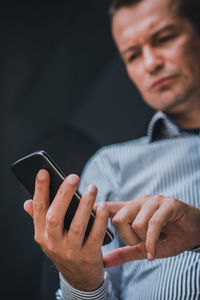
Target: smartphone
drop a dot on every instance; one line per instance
(26, 169)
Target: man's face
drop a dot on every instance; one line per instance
(161, 53)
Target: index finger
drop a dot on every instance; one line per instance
(113, 207)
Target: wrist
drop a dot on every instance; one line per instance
(83, 282)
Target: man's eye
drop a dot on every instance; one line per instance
(166, 38)
(132, 57)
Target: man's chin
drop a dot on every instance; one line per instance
(167, 103)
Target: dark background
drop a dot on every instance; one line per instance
(65, 90)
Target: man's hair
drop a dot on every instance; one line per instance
(189, 9)
(117, 4)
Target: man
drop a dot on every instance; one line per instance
(141, 181)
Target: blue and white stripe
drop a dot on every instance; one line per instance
(165, 162)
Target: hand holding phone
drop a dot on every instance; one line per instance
(26, 170)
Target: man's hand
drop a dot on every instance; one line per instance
(153, 227)
(79, 261)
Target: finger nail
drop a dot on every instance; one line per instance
(91, 188)
(72, 179)
(149, 256)
(41, 175)
(101, 205)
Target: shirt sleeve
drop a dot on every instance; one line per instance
(68, 292)
(104, 174)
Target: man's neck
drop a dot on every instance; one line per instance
(187, 120)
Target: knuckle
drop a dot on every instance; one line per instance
(70, 255)
(154, 221)
(143, 197)
(118, 221)
(52, 220)
(39, 207)
(62, 190)
(39, 187)
(137, 225)
(172, 201)
(88, 260)
(87, 199)
(76, 229)
(103, 213)
(158, 198)
(85, 261)
(96, 237)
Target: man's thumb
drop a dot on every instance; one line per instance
(125, 254)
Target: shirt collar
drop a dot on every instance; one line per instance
(162, 127)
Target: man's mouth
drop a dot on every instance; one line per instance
(164, 81)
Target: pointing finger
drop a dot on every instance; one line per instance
(113, 207)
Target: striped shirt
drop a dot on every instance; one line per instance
(166, 162)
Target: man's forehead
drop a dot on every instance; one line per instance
(143, 18)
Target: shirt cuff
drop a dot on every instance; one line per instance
(71, 293)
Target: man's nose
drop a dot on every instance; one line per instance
(153, 60)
